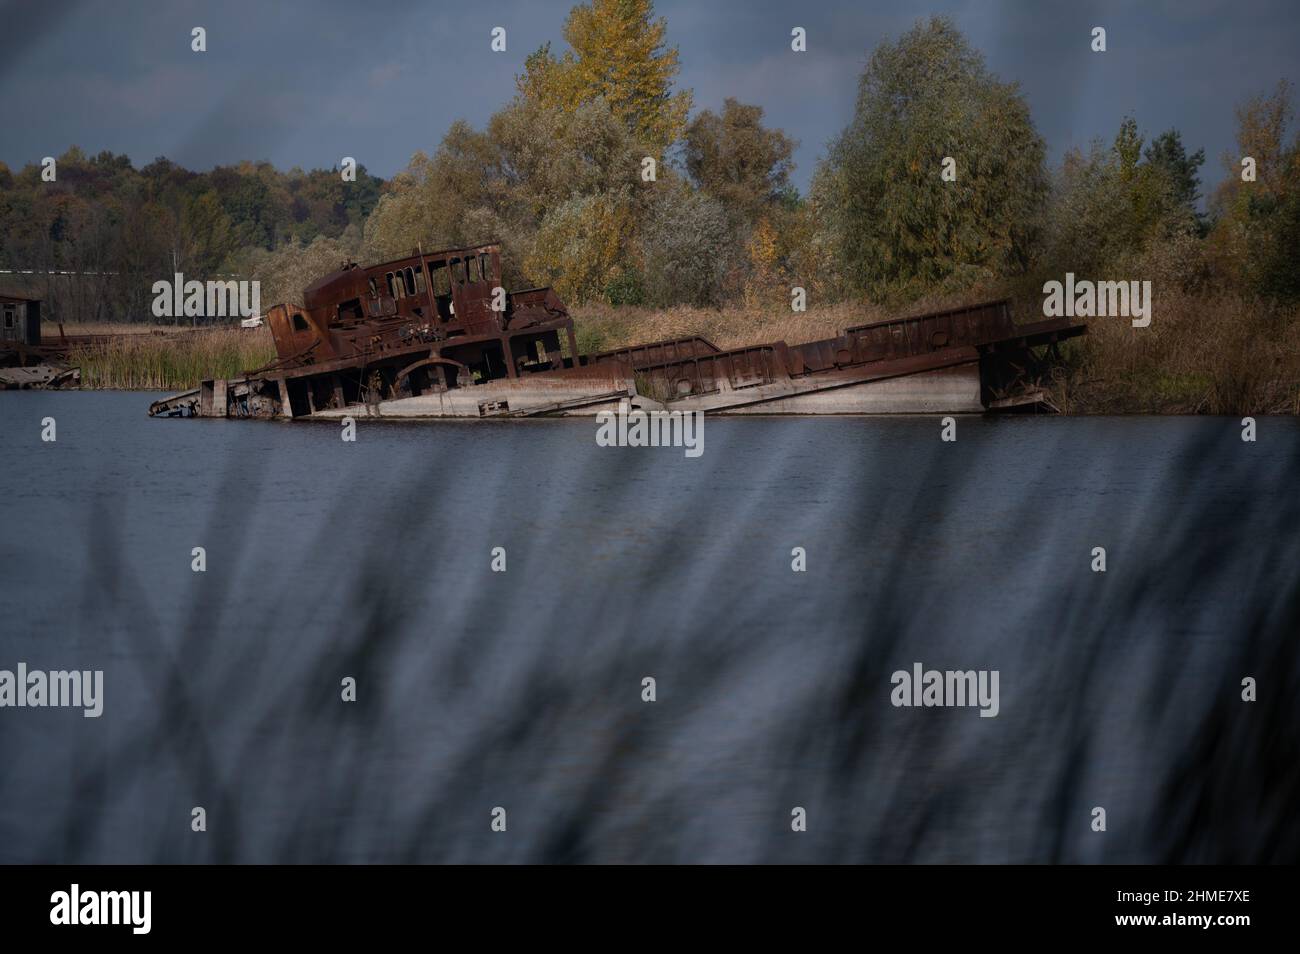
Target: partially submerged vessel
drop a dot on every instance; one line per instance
(436, 335)
(26, 359)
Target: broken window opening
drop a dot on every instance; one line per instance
(441, 279)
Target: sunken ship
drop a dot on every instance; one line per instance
(436, 335)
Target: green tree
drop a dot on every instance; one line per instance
(1111, 209)
(205, 235)
(895, 225)
(1167, 154)
(688, 247)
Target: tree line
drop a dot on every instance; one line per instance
(939, 184)
(119, 229)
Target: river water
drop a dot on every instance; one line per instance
(523, 690)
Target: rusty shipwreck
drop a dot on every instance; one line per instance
(436, 335)
(27, 359)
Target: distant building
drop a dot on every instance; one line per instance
(20, 320)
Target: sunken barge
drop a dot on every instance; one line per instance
(436, 335)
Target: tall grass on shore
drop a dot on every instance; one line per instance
(601, 328)
(1202, 354)
(171, 362)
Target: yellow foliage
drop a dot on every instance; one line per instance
(763, 252)
(617, 53)
(582, 245)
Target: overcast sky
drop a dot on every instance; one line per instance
(305, 83)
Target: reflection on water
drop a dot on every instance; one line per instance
(523, 689)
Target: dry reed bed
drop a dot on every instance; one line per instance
(1202, 354)
(169, 362)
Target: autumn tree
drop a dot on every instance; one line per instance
(582, 245)
(738, 160)
(450, 198)
(506, 182)
(1257, 231)
(617, 53)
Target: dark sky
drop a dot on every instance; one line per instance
(306, 83)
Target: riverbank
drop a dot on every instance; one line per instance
(1202, 354)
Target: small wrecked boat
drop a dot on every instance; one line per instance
(26, 359)
(435, 335)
